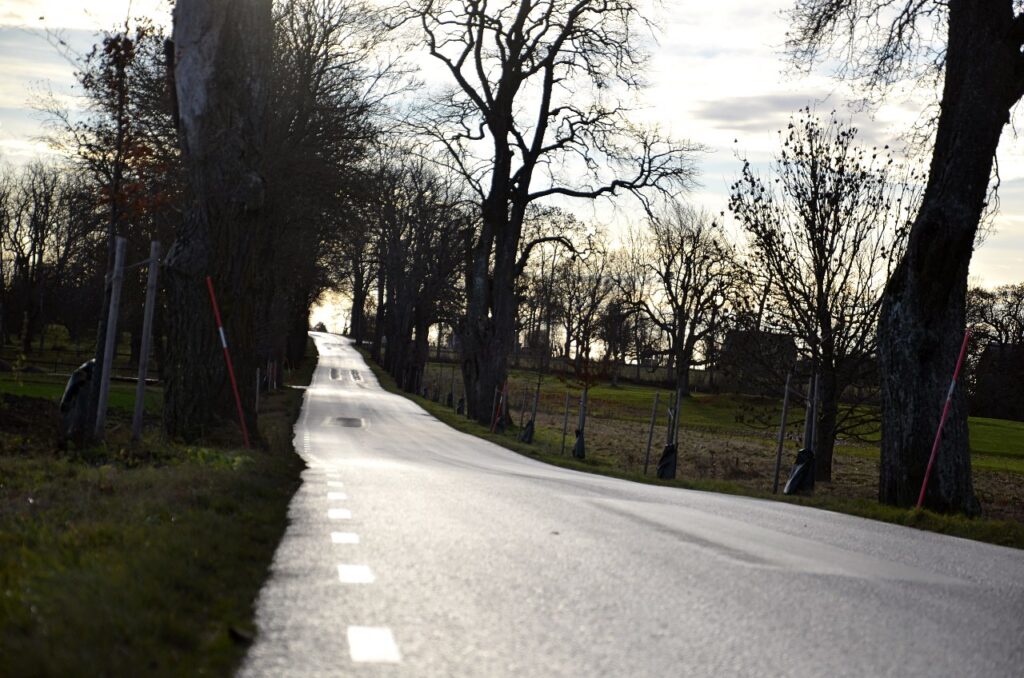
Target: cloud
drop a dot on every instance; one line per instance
(753, 113)
(75, 14)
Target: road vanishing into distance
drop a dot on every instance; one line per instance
(415, 550)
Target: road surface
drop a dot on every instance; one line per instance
(415, 550)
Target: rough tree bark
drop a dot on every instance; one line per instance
(923, 313)
(222, 59)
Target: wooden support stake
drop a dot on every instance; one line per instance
(782, 435)
(650, 433)
(110, 346)
(565, 422)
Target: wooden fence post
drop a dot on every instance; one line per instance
(650, 433)
(110, 346)
(782, 435)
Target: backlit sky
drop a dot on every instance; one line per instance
(717, 78)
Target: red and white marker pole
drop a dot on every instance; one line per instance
(227, 359)
(942, 421)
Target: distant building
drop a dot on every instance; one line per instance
(1000, 376)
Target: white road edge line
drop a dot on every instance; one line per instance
(339, 514)
(355, 574)
(344, 538)
(372, 645)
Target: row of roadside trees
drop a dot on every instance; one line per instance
(538, 108)
(260, 143)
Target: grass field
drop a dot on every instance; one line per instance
(50, 387)
(728, 443)
(122, 560)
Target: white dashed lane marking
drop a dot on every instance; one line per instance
(339, 514)
(372, 645)
(344, 538)
(335, 483)
(336, 496)
(355, 574)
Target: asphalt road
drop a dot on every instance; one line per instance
(415, 550)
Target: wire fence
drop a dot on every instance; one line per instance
(617, 428)
(64, 362)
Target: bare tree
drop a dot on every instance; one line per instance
(583, 284)
(998, 315)
(536, 110)
(632, 274)
(550, 237)
(923, 311)
(826, 230)
(692, 274)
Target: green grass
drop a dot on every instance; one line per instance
(137, 561)
(997, 437)
(716, 415)
(51, 387)
(996, 445)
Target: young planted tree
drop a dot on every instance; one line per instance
(537, 109)
(125, 145)
(826, 230)
(973, 48)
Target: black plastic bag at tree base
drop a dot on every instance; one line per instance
(579, 448)
(527, 435)
(668, 462)
(801, 477)
(461, 409)
(450, 400)
(74, 404)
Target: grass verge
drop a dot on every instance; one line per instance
(547, 449)
(144, 561)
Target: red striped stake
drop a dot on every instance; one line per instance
(942, 421)
(499, 407)
(227, 359)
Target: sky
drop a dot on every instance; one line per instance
(718, 77)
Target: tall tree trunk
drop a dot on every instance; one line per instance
(923, 312)
(683, 359)
(421, 350)
(222, 52)
(378, 332)
(489, 328)
(359, 294)
(298, 332)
